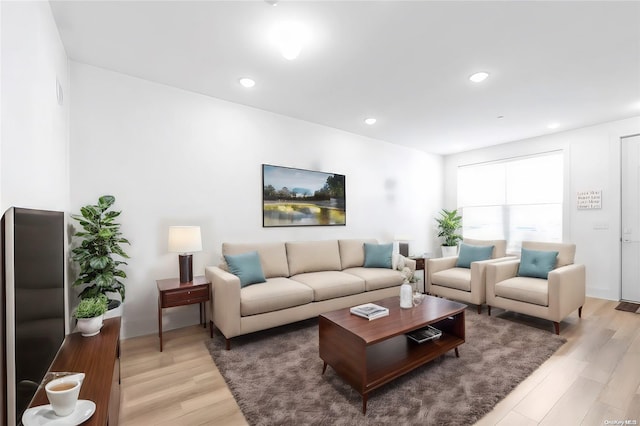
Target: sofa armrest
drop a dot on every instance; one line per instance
(441, 263)
(409, 263)
(437, 265)
(225, 300)
(479, 267)
(479, 274)
(499, 271)
(567, 288)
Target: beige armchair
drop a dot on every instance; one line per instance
(445, 279)
(552, 299)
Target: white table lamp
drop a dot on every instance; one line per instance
(185, 240)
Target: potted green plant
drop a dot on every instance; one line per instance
(99, 252)
(89, 314)
(449, 223)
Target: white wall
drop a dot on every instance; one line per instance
(172, 157)
(592, 162)
(34, 136)
(34, 151)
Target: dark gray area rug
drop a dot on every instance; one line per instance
(276, 377)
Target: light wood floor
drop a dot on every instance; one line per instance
(593, 378)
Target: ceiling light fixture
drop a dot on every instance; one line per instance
(247, 82)
(553, 126)
(479, 76)
(370, 121)
(271, 2)
(290, 37)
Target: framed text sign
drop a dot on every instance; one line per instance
(589, 200)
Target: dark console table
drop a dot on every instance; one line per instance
(98, 357)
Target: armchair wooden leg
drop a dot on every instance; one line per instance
(489, 310)
(211, 329)
(557, 326)
(228, 341)
(479, 309)
(580, 312)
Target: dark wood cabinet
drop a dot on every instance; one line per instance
(98, 357)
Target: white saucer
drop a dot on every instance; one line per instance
(44, 415)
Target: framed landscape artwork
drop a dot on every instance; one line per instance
(297, 197)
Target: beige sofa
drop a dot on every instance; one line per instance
(303, 280)
(444, 279)
(552, 299)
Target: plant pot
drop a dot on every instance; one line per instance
(448, 251)
(89, 326)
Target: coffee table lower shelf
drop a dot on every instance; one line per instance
(368, 366)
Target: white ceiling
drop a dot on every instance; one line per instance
(406, 63)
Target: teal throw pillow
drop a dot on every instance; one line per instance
(378, 255)
(247, 267)
(537, 263)
(469, 253)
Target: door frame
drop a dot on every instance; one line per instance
(620, 230)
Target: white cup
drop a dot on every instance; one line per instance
(63, 395)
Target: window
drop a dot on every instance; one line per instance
(516, 199)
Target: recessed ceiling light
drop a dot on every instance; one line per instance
(370, 121)
(290, 38)
(479, 76)
(247, 82)
(271, 2)
(553, 125)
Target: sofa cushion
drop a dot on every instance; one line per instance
(524, 289)
(378, 255)
(377, 278)
(273, 256)
(330, 284)
(313, 256)
(458, 278)
(246, 266)
(352, 252)
(470, 253)
(537, 263)
(499, 246)
(566, 251)
(273, 295)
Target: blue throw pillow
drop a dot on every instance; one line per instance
(537, 263)
(247, 267)
(378, 255)
(469, 253)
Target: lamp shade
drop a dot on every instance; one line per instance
(185, 239)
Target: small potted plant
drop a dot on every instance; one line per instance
(449, 223)
(89, 314)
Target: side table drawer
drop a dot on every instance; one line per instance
(185, 296)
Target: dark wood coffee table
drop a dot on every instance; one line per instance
(368, 354)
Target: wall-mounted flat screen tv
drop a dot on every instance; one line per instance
(298, 197)
(32, 311)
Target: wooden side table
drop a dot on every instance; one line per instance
(173, 293)
(421, 265)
